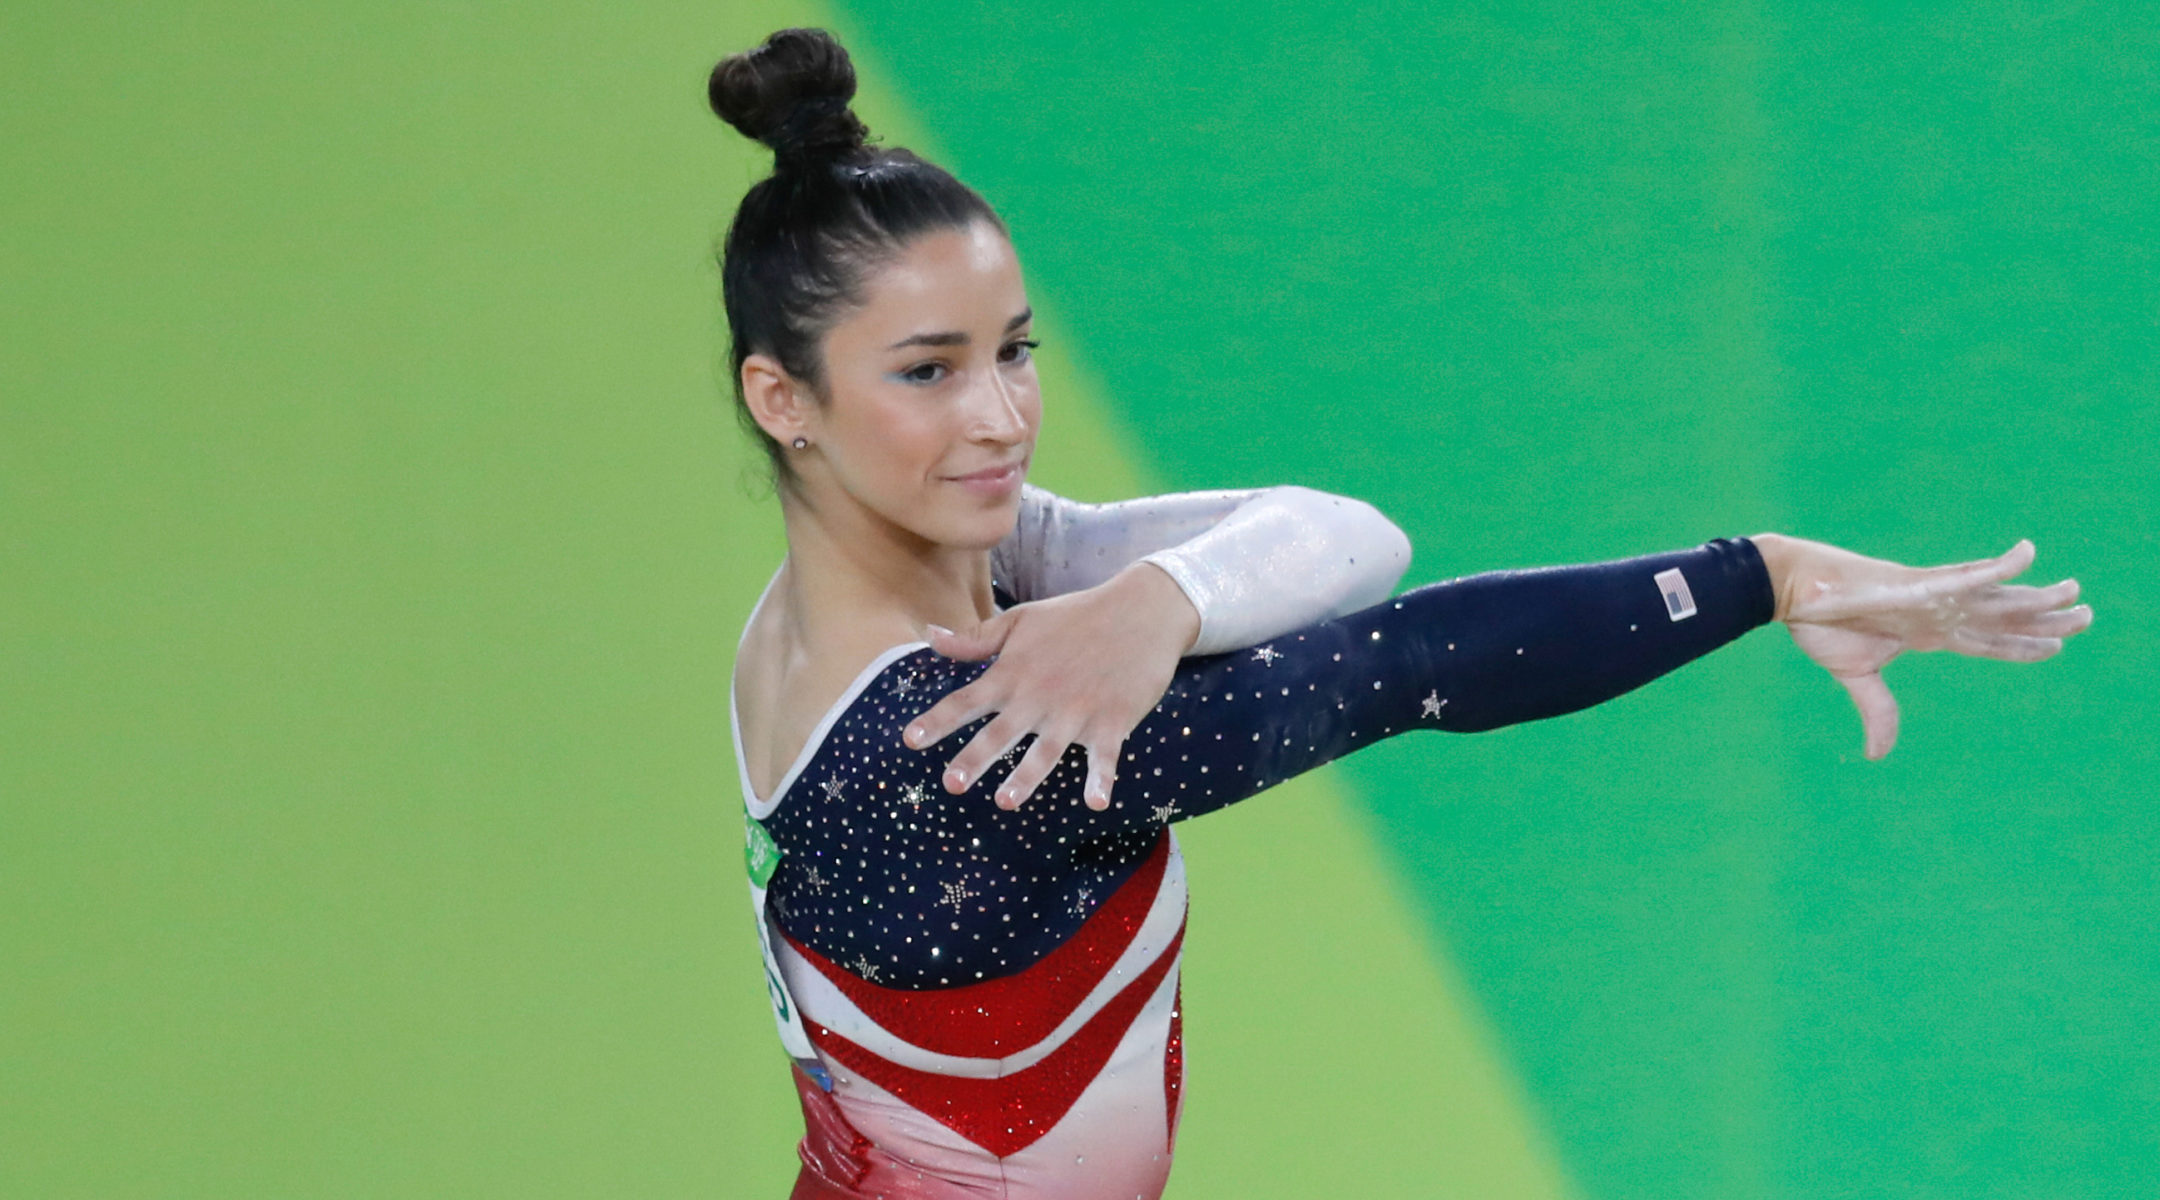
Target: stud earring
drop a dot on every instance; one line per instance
(802, 443)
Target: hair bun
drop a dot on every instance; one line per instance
(791, 93)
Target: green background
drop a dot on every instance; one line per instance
(374, 538)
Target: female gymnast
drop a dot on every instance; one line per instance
(980, 993)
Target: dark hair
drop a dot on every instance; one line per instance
(834, 207)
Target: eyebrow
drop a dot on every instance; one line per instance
(956, 338)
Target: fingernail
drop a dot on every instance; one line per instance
(957, 778)
(913, 736)
(941, 629)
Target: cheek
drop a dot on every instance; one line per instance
(897, 440)
(1029, 402)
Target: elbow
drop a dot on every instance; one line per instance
(1376, 550)
(1393, 549)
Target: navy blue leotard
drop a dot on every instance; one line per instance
(911, 887)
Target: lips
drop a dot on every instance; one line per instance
(993, 480)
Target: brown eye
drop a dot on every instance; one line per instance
(1023, 346)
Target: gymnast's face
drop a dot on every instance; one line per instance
(931, 401)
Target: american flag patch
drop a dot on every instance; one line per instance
(1679, 602)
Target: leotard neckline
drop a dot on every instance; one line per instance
(762, 809)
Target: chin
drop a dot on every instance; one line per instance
(981, 528)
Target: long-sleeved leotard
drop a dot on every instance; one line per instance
(1255, 562)
(990, 991)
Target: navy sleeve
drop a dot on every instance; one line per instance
(1469, 654)
(882, 865)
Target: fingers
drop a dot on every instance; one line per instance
(2014, 598)
(2010, 647)
(1878, 711)
(2060, 624)
(2009, 564)
(989, 744)
(1038, 762)
(961, 706)
(967, 705)
(984, 640)
(1102, 773)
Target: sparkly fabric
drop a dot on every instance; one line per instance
(1173, 1075)
(1002, 1016)
(1007, 1113)
(833, 1153)
(908, 886)
(1094, 1094)
(1229, 551)
(1009, 981)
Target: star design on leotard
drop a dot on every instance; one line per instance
(903, 685)
(913, 795)
(1266, 654)
(1163, 812)
(1082, 902)
(956, 894)
(815, 882)
(1431, 705)
(863, 967)
(834, 787)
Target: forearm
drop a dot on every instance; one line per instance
(1287, 558)
(1252, 564)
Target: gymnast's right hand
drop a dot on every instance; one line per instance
(1079, 669)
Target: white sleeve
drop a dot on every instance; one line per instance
(1256, 563)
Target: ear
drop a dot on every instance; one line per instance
(778, 402)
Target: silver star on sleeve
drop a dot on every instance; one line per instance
(956, 894)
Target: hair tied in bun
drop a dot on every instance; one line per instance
(835, 208)
(816, 127)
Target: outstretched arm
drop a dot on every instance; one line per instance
(1469, 654)
(1506, 647)
(1114, 594)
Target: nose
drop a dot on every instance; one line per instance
(996, 415)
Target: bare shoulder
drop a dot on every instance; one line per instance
(786, 684)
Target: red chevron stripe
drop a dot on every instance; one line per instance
(1173, 1068)
(1007, 1114)
(998, 1017)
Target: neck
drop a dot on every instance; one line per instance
(851, 572)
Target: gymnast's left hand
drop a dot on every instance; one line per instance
(1853, 614)
(1079, 669)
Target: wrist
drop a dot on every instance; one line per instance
(1150, 594)
(1779, 553)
